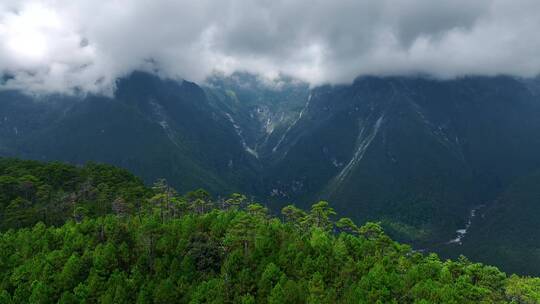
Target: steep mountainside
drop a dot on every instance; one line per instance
(413, 152)
(155, 128)
(262, 112)
(507, 233)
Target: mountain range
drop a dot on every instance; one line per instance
(416, 153)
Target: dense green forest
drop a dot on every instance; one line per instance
(96, 234)
(32, 192)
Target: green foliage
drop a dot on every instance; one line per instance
(320, 215)
(235, 254)
(347, 225)
(294, 215)
(523, 290)
(235, 201)
(31, 192)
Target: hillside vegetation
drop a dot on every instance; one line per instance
(126, 243)
(32, 191)
(415, 153)
(506, 231)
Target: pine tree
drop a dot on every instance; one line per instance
(345, 224)
(235, 201)
(320, 214)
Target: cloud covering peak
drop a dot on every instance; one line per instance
(62, 45)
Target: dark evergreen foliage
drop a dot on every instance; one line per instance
(51, 193)
(155, 246)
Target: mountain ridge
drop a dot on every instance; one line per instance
(413, 152)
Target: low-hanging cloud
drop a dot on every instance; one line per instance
(65, 45)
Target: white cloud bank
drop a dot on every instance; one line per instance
(60, 45)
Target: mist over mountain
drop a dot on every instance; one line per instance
(66, 46)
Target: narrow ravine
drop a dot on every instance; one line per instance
(460, 233)
(238, 131)
(276, 147)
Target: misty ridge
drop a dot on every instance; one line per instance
(62, 46)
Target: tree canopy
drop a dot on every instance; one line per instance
(152, 245)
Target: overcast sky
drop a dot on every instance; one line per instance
(57, 45)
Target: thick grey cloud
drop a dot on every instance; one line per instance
(60, 45)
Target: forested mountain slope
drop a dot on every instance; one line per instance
(413, 152)
(153, 127)
(507, 231)
(51, 193)
(156, 246)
